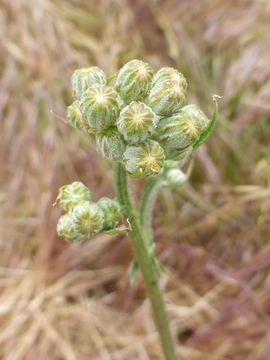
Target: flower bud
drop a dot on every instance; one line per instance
(72, 194)
(166, 97)
(74, 115)
(83, 78)
(111, 211)
(88, 218)
(144, 159)
(100, 105)
(67, 229)
(174, 177)
(169, 74)
(136, 122)
(110, 144)
(197, 113)
(134, 80)
(177, 134)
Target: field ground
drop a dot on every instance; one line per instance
(74, 302)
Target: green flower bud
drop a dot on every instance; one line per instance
(83, 78)
(100, 105)
(110, 144)
(136, 122)
(72, 194)
(174, 177)
(134, 80)
(177, 134)
(111, 211)
(144, 159)
(67, 229)
(88, 218)
(169, 74)
(74, 115)
(196, 112)
(166, 97)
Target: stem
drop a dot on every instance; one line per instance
(144, 260)
(148, 201)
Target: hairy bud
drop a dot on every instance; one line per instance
(144, 159)
(136, 122)
(134, 80)
(83, 78)
(72, 194)
(67, 229)
(178, 133)
(88, 218)
(169, 74)
(100, 105)
(111, 211)
(196, 112)
(74, 115)
(166, 97)
(110, 144)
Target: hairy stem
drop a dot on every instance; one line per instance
(144, 260)
(148, 201)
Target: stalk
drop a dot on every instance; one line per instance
(144, 260)
(150, 194)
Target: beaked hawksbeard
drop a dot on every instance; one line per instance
(140, 121)
(142, 125)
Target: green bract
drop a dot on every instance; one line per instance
(144, 159)
(111, 211)
(88, 218)
(110, 144)
(100, 104)
(67, 228)
(134, 80)
(83, 78)
(137, 121)
(72, 194)
(178, 133)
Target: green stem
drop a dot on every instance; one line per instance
(144, 260)
(148, 201)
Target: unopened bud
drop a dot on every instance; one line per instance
(177, 134)
(166, 97)
(110, 144)
(83, 78)
(137, 121)
(144, 159)
(72, 194)
(88, 218)
(100, 105)
(134, 81)
(67, 229)
(111, 211)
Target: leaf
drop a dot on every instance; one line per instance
(134, 270)
(117, 231)
(160, 267)
(205, 135)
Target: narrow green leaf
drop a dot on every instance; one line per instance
(205, 135)
(117, 231)
(134, 270)
(159, 266)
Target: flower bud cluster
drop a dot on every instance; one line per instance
(141, 120)
(83, 217)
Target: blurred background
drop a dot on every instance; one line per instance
(74, 302)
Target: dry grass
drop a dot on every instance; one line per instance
(61, 301)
